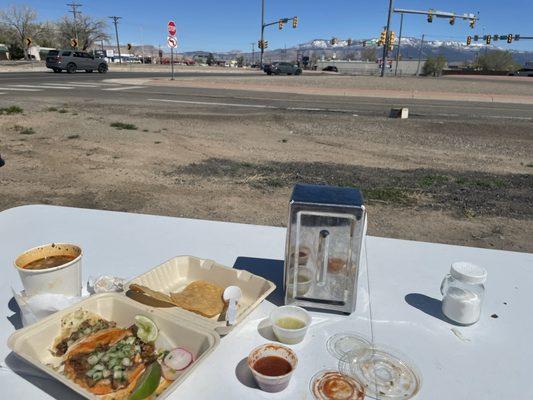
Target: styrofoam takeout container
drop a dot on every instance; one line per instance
(64, 279)
(34, 342)
(175, 274)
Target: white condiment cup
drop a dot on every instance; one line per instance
(64, 279)
(272, 383)
(290, 336)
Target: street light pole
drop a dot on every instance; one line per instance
(420, 55)
(387, 40)
(262, 30)
(253, 52)
(115, 21)
(399, 45)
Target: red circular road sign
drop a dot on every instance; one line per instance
(171, 28)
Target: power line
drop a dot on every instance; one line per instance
(115, 21)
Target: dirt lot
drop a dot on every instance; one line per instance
(470, 185)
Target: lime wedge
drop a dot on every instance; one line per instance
(146, 329)
(147, 383)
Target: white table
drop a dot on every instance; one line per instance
(492, 360)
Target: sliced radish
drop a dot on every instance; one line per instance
(168, 373)
(178, 359)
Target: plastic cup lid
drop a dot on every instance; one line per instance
(342, 343)
(384, 375)
(332, 385)
(468, 273)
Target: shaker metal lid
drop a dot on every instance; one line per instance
(324, 194)
(468, 273)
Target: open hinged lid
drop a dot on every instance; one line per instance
(34, 343)
(174, 275)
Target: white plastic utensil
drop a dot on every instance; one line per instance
(232, 295)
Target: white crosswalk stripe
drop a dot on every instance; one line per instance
(43, 86)
(93, 83)
(72, 85)
(20, 89)
(116, 89)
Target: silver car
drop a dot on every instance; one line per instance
(72, 61)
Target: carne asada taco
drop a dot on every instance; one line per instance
(76, 326)
(108, 363)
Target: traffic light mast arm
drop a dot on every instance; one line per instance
(438, 14)
(284, 20)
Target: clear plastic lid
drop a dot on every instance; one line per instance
(385, 374)
(341, 344)
(332, 385)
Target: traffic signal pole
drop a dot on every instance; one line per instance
(387, 41)
(399, 46)
(262, 31)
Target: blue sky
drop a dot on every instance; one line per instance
(220, 25)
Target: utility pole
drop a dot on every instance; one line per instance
(75, 13)
(115, 21)
(399, 45)
(420, 55)
(253, 52)
(262, 31)
(387, 40)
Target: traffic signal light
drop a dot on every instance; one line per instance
(349, 42)
(468, 40)
(488, 38)
(382, 38)
(392, 38)
(265, 44)
(516, 38)
(280, 24)
(476, 38)
(295, 22)
(129, 46)
(430, 16)
(364, 43)
(472, 23)
(495, 37)
(334, 41)
(509, 38)
(452, 20)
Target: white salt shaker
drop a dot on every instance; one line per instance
(463, 292)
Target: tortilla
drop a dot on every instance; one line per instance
(200, 297)
(150, 293)
(106, 337)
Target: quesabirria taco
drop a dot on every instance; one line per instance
(77, 326)
(108, 363)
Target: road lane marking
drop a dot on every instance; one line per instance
(42, 87)
(510, 117)
(70, 85)
(205, 103)
(116, 89)
(20, 89)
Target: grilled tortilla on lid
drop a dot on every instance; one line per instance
(109, 362)
(76, 326)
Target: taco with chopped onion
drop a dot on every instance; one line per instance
(77, 326)
(108, 363)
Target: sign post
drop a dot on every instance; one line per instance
(172, 43)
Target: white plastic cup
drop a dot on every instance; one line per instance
(290, 336)
(64, 279)
(272, 383)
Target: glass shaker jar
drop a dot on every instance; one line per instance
(463, 292)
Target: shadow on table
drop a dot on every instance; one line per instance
(244, 375)
(40, 379)
(428, 305)
(16, 318)
(268, 269)
(265, 329)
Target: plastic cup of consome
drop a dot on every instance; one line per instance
(285, 313)
(63, 279)
(269, 382)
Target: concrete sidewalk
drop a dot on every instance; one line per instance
(331, 91)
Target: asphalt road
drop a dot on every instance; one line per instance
(82, 86)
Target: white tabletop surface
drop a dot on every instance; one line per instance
(489, 360)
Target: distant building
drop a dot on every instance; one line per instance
(405, 67)
(4, 52)
(39, 53)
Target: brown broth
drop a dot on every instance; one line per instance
(272, 366)
(49, 262)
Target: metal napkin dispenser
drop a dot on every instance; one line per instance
(325, 236)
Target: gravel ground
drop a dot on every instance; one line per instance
(468, 183)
